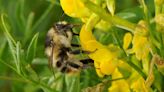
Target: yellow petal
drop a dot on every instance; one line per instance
(139, 85)
(68, 7)
(102, 54)
(108, 67)
(127, 40)
(98, 71)
(92, 45)
(118, 85)
(85, 36)
(140, 46)
(74, 8)
(113, 88)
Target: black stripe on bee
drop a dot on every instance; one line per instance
(58, 64)
(64, 69)
(73, 65)
(63, 53)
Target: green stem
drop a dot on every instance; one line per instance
(92, 22)
(136, 68)
(42, 85)
(8, 65)
(124, 57)
(121, 23)
(152, 34)
(13, 79)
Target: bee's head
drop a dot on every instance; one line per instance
(63, 26)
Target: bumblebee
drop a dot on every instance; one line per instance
(58, 49)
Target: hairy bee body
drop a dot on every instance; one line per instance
(58, 47)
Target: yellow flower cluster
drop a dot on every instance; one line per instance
(134, 83)
(106, 58)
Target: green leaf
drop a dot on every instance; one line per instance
(72, 83)
(18, 55)
(28, 27)
(6, 28)
(13, 52)
(44, 15)
(2, 47)
(158, 82)
(31, 51)
(111, 6)
(14, 47)
(31, 73)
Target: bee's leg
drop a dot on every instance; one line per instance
(75, 45)
(86, 61)
(75, 34)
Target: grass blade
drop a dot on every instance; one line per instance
(31, 51)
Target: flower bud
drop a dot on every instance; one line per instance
(141, 28)
(159, 19)
(127, 40)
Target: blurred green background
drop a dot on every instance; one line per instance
(28, 22)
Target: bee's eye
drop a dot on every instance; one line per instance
(59, 26)
(62, 27)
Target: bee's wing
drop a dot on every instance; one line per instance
(50, 61)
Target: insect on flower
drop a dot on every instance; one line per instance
(58, 49)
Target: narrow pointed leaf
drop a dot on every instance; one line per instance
(31, 51)
(111, 6)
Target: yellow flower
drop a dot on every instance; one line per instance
(140, 47)
(105, 59)
(137, 83)
(105, 67)
(159, 19)
(118, 85)
(74, 8)
(140, 43)
(134, 82)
